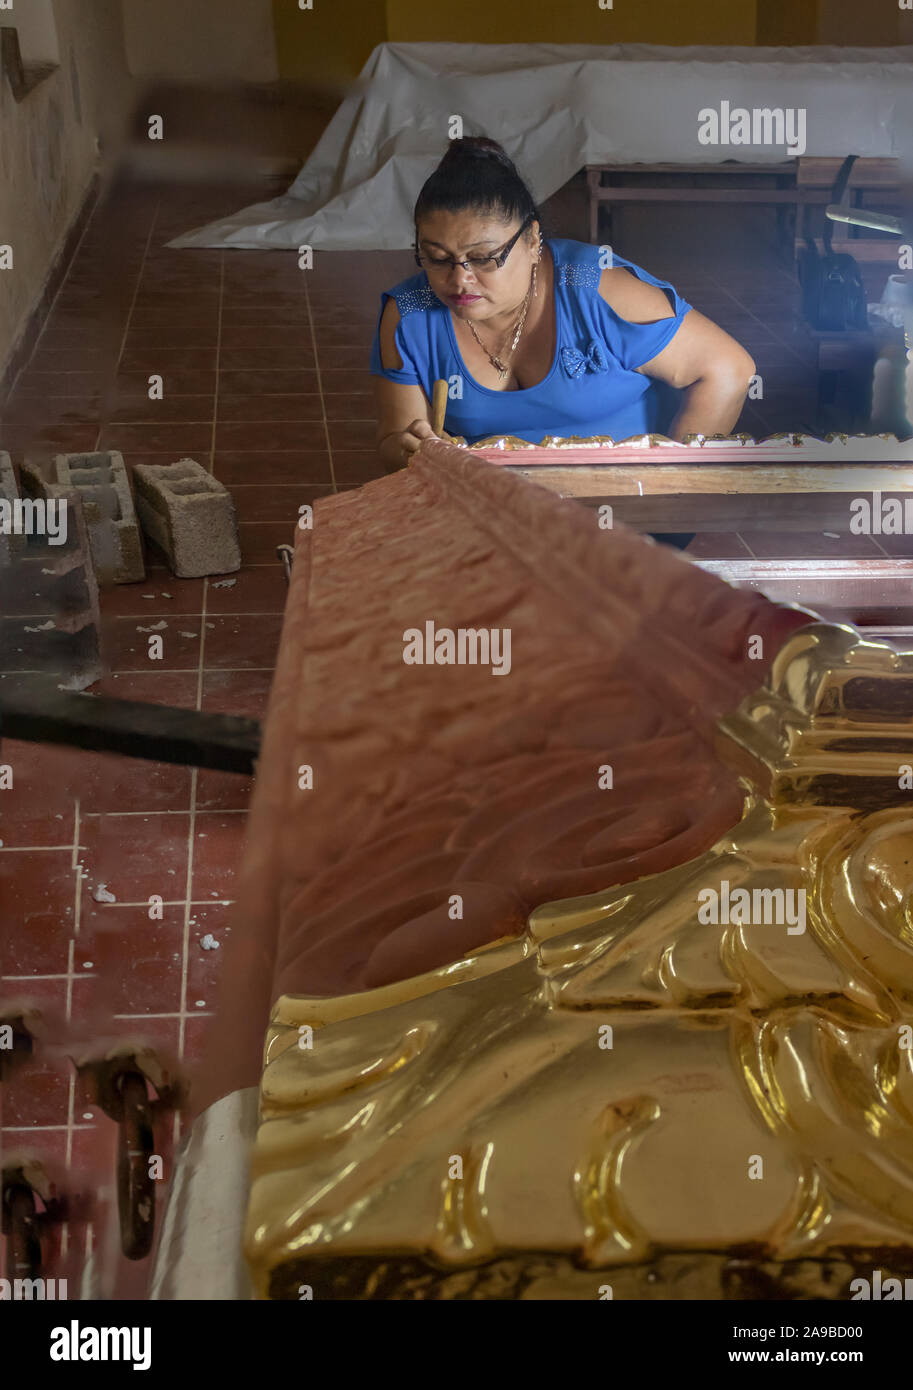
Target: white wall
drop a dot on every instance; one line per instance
(201, 40)
(48, 150)
(36, 26)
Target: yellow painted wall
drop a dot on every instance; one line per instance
(848, 21)
(329, 44)
(573, 21)
(787, 22)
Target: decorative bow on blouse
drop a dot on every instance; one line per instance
(576, 362)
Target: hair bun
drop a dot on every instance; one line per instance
(476, 174)
(477, 147)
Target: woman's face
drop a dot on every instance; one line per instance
(476, 294)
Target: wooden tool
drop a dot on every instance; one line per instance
(439, 408)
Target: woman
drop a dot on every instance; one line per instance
(534, 336)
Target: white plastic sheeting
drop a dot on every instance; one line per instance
(556, 108)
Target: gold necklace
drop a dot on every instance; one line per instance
(502, 368)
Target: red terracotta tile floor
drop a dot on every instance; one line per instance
(114, 872)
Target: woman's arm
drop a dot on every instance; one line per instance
(702, 360)
(403, 410)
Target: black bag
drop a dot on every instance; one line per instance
(833, 295)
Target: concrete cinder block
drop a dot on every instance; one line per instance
(12, 542)
(189, 515)
(104, 487)
(62, 577)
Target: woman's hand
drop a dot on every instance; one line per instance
(411, 438)
(396, 449)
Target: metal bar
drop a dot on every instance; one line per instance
(286, 554)
(22, 1230)
(161, 733)
(859, 217)
(135, 1187)
(852, 588)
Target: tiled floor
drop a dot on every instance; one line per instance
(265, 383)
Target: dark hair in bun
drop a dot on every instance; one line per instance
(477, 173)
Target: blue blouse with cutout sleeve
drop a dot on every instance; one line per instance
(592, 387)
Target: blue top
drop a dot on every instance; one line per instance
(592, 387)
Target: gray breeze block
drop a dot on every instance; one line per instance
(68, 642)
(12, 543)
(102, 483)
(73, 559)
(189, 515)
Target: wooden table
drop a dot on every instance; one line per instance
(725, 182)
(792, 186)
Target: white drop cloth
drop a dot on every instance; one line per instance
(556, 108)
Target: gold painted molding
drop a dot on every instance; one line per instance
(749, 1127)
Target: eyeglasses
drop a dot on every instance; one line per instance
(479, 265)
